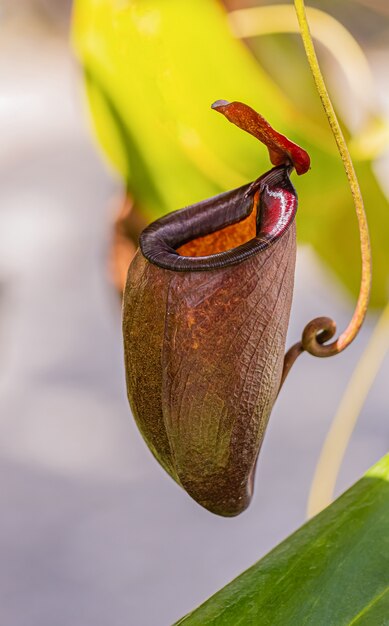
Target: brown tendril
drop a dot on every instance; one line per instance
(315, 334)
(322, 329)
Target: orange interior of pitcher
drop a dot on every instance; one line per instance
(224, 239)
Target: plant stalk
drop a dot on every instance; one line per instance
(321, 329)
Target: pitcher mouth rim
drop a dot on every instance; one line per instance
(160, 240)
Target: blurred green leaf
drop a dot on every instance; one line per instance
(334, 571)
(152, 70)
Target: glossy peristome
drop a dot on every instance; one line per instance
(206, 310)
(271, 200)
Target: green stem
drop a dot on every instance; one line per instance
(319, 330)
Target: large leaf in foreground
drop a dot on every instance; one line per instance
(334, 571)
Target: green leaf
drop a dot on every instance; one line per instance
(152, 71)
(334, 571)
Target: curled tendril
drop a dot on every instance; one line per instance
(316, 333)
(319, 331)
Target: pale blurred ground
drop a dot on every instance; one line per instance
(92, 532)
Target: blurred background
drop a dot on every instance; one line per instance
(99, 136)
